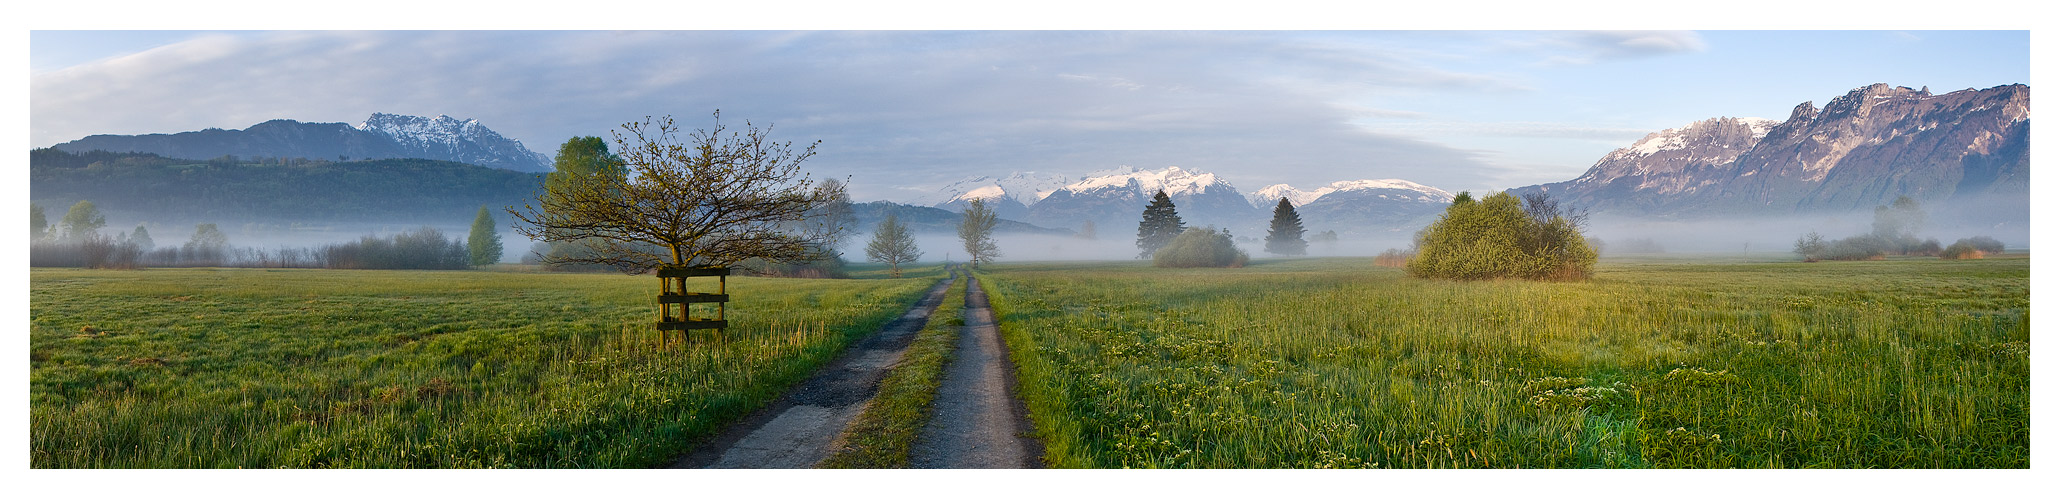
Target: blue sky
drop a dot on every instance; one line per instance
(905, 111)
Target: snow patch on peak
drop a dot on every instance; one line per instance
(1024, 187)
(1174, 180)
(1270, 195)
(982, 192)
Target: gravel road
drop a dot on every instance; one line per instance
(978, 422)
(796, 431)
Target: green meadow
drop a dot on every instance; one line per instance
(1321, 363)
(1306, 363)
(253, 368)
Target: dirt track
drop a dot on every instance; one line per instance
(797, 430)
(978, 422)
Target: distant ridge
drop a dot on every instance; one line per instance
(381, 136)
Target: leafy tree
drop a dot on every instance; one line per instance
(580, 159)
(484, 242)
(1285, 236)
(1898, 220)
(1502, 236)
(141, 238)
(976, 230)
(716, 198)
(1160, 225)
(39, 227)
(82, 222)
(1200, 248)
(208, 245)
(1327, 238)
(892, 245)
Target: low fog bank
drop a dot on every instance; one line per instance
(273, 236)
(1021, 247)
(1770, 235)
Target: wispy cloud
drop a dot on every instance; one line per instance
(1589, 47)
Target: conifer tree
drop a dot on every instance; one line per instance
(1160, 225)
(485, 242)
(892, 245)
(1285, 236)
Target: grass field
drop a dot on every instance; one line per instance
(1318, 363)
(204, 368)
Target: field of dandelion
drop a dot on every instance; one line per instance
(1318, 363)
(207, 368)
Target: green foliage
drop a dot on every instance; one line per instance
(141, 238)
(714, 196)
(976, 232)
(39, 227)
(892, 245)
(208, 244)
(229, 368)
(1284, 235)
(1334, 363)
(1160, 224)
(1500, 237)
(881, 436)
(484, 242)
(82, 222)
(1198, 247)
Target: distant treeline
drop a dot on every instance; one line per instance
(138, 185)
(423, 248)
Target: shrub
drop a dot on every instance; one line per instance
(424, 248)
(1200, 248)
(1502, 236)
(1396, 258)
(1971, 248)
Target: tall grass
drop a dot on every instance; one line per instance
(1340, 363)
(196, 368)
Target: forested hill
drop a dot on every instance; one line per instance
(138, 187)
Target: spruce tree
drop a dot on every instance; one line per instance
(1285, 236)
(892, 245)
(1160, 225)
(485, 242)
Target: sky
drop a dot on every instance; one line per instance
(903, 112)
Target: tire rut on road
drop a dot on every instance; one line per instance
(796, 430)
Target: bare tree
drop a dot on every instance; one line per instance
(715, 197)
(892, 245)
(976, 230)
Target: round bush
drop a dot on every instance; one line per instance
(1200, 248)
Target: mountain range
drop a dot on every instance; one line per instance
(1968, 148)
(381, 136)
(1861, 150)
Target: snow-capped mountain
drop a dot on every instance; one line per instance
(1025, 187)
(1372, 207)
(1010, 196)
(1861, 150)
(464, 141)
(1392, 189)
(1116, 198)
(381, 136)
